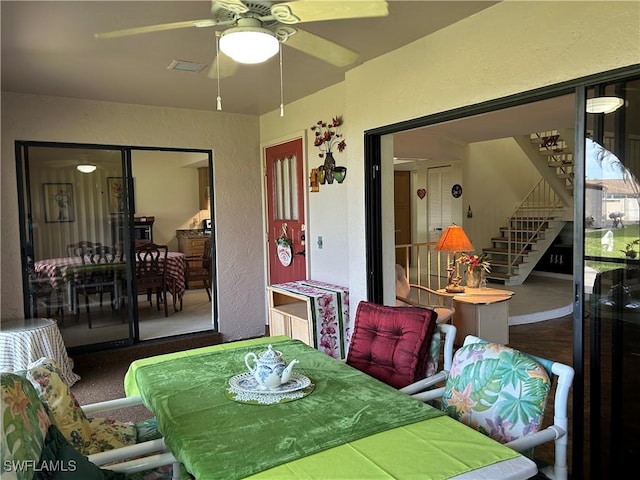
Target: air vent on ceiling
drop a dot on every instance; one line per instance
(186, 66)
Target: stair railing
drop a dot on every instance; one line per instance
(539, 206)
(423, 264)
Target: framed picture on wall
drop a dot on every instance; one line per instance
(117, 198)
(59, 203)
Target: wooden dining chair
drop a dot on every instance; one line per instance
(82, 248)
(100, 273)
(151, 272)
(199, 268)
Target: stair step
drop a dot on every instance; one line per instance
(522, 230)
(546, 138)
(561, 163)
(503, 263)
(566, 175)
(513, 241)
(504, 251)
(554, 151)
(499, 276)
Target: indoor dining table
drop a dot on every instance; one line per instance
(60, 272)
(345, 424)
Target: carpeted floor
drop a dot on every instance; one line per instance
(102, 373)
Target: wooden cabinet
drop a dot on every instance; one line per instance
(289, 315)
(203, 188)
(313, 312)
(192, 246)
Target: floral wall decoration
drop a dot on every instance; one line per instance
(327, 138)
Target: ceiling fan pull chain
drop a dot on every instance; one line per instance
(218, 98)
(281, 86)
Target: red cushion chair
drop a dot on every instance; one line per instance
(391, 343)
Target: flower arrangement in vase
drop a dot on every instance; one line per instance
(327, 136)
(477, 266)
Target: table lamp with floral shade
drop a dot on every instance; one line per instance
(454, 240)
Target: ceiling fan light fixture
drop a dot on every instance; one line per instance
(249, 44)
(604, 104)
(86, 168)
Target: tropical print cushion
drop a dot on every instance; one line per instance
(147, 430)
(25, 423)
(497, 390)
(87, 435)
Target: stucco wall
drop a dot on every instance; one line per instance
(235, 142)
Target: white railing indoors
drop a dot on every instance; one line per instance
(541, 205)
(423, 264)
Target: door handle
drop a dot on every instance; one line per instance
(302, 252)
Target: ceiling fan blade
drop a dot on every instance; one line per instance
(207, 22)
(227, 65)
(319, 10)
(321, 48)
(235, 6)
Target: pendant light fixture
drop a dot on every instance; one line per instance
(86, 168)
(604, 104)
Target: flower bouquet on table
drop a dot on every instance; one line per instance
(475, 262)
(477, 266)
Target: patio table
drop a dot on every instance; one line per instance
(390, 435)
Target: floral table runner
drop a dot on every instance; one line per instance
(330, 310)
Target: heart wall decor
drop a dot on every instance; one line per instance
(421, 193)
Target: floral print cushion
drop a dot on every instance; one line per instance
(25, 423)
(108, 434)
(86, 435)
(497, 390)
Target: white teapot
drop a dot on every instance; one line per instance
(269, 369)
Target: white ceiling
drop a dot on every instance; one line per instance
(48, 48)
(445, 141)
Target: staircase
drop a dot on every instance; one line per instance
(551, 152)
(538, 220)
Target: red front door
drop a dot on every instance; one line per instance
(285, 212)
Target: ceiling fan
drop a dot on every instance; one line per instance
(256, 29)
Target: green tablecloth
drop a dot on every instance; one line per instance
(218, 438)
(232, 444)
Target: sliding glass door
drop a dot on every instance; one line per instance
(74, 206)
(612, 274)
(85, 209)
